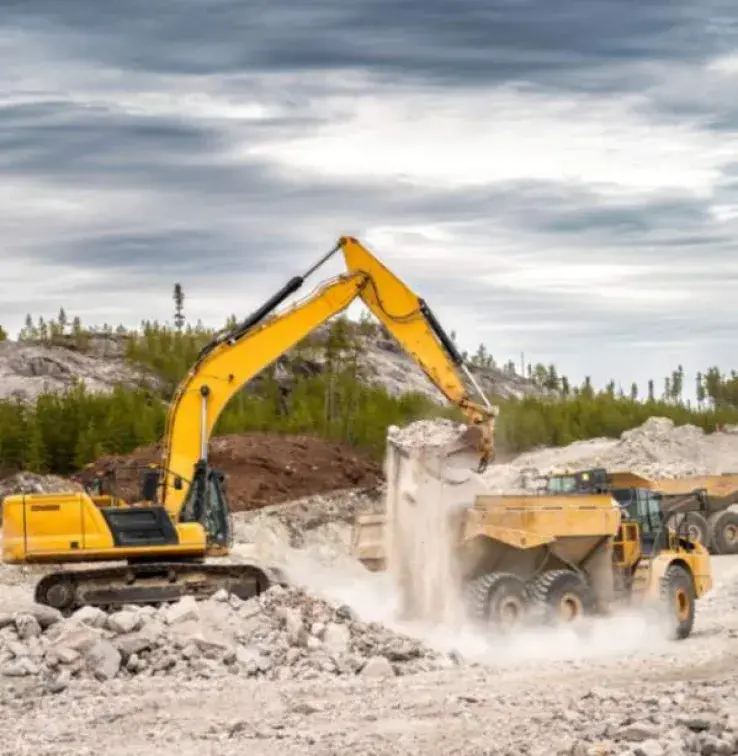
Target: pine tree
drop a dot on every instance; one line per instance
(700, 390)
(35, 457)
(677, 384)
(28, 332)
(3, 334)
(552, 378)
(178, 296)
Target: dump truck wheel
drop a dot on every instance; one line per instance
(498, 599)
(678, 597)
(724, 526)
(693, 526)
(564, 595)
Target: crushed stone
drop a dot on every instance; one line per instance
(282, 634)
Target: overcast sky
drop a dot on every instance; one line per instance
(555, 178)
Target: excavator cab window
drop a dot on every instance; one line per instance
(206, 503)
(217, 520)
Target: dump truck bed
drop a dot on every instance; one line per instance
(575, 523)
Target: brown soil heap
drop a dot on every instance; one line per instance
(260, 468)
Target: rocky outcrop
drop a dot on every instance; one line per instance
(386, 363)
(27, 370)
(383, 362)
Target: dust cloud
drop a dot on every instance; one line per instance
(431, 480)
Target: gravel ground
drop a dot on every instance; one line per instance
(639, 697)
(331, 671)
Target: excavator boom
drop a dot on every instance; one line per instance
(230, 362)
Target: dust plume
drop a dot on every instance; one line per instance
(419, 535)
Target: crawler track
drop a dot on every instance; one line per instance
(151, 583)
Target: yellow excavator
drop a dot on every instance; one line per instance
(183, 516)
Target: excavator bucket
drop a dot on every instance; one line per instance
(476, 441)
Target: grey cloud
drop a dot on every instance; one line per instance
(57, 138)
(242, 226)
(468, 40)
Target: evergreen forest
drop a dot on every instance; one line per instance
(62, 432)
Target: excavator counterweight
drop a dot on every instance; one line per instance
(183, 516)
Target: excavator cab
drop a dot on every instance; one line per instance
(206, 503)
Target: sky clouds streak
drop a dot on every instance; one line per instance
(558, 179)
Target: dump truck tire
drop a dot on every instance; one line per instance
(691, 525)
(497, 599)
(724, 527)
(678, 598)
(564, 596)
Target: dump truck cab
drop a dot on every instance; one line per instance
(701, 506)
(584, 481)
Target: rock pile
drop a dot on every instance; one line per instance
(283, 634)
(657, 449)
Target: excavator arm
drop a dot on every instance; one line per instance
(235, 357)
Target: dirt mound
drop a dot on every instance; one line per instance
(261, 468)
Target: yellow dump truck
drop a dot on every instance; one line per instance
(561, 557)
(699, 506)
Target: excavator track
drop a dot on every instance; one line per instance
(152, 583)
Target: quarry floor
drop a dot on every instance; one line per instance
(514, 706)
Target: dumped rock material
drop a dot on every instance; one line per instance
(283, 634)
(424, 434)
(420, 529)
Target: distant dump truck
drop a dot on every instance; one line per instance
(698, 506)
(560, 556)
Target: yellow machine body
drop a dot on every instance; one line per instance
(40, 527)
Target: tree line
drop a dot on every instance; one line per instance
(61, 433)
